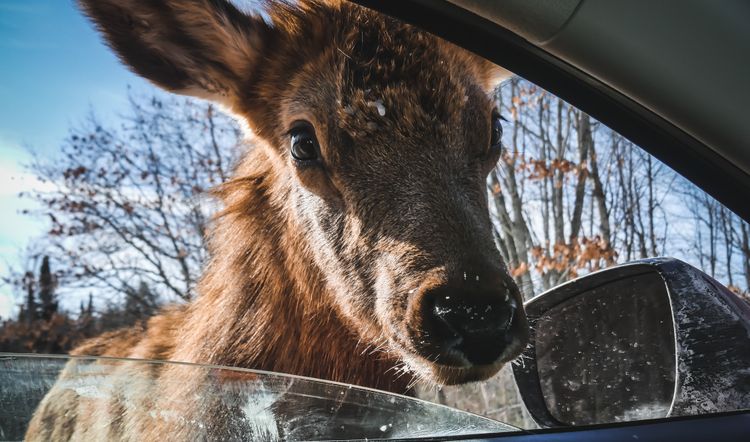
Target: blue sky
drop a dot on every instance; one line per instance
(53, 70)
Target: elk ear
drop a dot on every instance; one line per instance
(203, 48)
(494, 75)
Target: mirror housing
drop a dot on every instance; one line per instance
(697, 361)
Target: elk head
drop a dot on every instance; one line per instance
(384, 136)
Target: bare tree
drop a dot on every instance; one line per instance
(541, 189)
(129, 203)
(744, 246)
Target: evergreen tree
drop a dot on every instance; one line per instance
(29, 283)
(47, 291)
(140, 303)
(90, 307)
(86, 322)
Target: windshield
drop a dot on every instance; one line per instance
(233, 403)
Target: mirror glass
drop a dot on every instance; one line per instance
(608, 354)
(235, 404)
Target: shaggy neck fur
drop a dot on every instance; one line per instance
(262, 300)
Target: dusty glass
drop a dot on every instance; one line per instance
(621, 366)
(237, 403)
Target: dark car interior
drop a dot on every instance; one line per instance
(644, 73)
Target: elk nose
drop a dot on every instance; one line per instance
(474, 324)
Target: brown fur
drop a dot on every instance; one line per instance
(315, 271)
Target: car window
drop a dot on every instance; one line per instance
(570, 196)
(273, 406)
(111, 188)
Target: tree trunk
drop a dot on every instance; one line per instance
(651, 204)
(600, 198)
(585, 142)
(746, 253)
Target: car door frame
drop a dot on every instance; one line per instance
(688, 156)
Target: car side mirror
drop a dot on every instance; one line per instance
(644, 340)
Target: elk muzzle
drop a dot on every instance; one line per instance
(466, 321)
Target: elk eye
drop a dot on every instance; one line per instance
(497, 131)
(304, 145)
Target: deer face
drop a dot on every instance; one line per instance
(384, 137)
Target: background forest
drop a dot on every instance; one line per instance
(128, 206)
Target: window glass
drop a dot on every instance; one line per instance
(571, 196)
(271, 406)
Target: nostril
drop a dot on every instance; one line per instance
(480, 328)
(475, 317)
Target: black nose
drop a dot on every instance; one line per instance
(475, 324)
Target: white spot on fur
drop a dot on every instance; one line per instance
(378, 104)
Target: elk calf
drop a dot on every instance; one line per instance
(359, 221)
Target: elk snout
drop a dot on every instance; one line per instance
(467, 322)
(478, 329)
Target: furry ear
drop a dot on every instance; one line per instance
(494, 75)
(203, 48)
